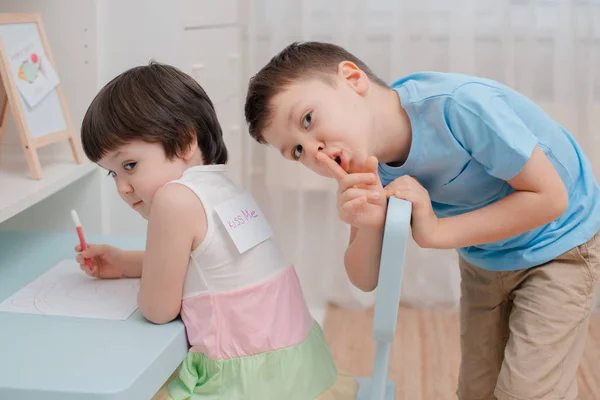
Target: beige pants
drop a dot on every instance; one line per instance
(523, 332)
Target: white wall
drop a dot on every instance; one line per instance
(71, 31)
(132, 33)
(181, 33)
(92, 42)
(95, 40)
(70, 26)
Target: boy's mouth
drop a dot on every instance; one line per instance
(341, 161)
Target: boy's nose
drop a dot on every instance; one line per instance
(314, 149)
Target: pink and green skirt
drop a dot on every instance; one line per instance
(299, 372)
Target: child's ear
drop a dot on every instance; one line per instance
(354, 76)
(191, 149)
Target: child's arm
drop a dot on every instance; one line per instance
(172, 235)
(540, 198)
(361, 203)
(490, 131)
(363, 256)
(109, 262)
(132, 263)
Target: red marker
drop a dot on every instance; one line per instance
(82, 242)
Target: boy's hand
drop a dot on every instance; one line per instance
(107, 261)
(361, 200)
(424, 221)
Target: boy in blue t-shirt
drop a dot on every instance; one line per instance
(487, 172)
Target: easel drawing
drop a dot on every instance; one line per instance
(49, 121)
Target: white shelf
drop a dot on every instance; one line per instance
(18, 191)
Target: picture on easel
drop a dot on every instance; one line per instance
(30, 89)
(33, 73)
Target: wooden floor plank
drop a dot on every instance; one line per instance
(426, 352)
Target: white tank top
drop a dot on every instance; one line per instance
(237, 304)
(216, 265)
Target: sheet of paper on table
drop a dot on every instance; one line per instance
(65, 290)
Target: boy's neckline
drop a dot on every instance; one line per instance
(409, 162)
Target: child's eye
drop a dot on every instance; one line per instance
(129, 166)
(297, 152)
(112, 174)
(307, 120)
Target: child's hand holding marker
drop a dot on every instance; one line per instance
(106, 261)
(100, 261)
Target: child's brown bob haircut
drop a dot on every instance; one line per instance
(154, 103)
(298, 61)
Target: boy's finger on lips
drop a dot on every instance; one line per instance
(337, 171)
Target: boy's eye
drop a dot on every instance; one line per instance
(307, 120)
(129, 166)
(297, 152)
(112, 174)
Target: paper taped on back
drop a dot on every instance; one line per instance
(67, 291)
(246, 224)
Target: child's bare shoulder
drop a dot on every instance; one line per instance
(176, 207)
(177, 196)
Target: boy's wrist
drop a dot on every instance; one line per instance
(374, 228)
(376, 224)
(428, 231)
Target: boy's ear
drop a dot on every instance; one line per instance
(354, 76)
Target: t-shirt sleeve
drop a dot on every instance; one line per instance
(487, 128)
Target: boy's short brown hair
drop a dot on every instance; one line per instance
(154, 103)
(297, 61)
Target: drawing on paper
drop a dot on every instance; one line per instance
(67, 291)
(30, 68)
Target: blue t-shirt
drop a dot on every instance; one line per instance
(471, 135)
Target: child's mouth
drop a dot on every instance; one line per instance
(341, 161)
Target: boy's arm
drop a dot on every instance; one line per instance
(365, 213)
(171, 236)
(362, 257)
(484, 124)
(540, 198)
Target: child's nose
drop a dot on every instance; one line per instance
(314, 149)
(124, 187)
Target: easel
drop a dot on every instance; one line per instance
(3, 111)
(10, 97)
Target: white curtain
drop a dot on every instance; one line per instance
(547, 49)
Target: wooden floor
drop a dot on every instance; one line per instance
(426, 355)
